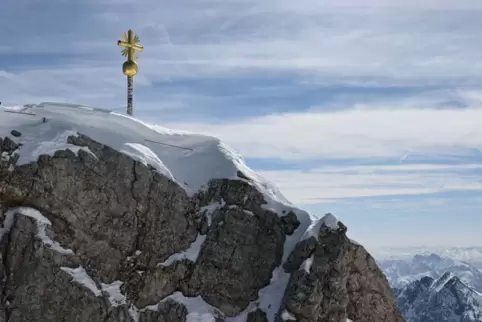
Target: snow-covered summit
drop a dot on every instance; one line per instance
(190, 159)
(113, 240)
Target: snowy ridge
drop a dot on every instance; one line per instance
(191, 160)
(439, 284)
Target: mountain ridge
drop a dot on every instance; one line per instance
(401, 272)
(446, 299)
(124, 229)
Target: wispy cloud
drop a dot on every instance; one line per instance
(353, 133)
(391, 151)
(328, 184)
(383, 41)
(322, 186)
(339, 100)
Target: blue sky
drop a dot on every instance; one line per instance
(371, 110)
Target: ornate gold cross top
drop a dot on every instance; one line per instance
(129, 41)
(129, 68)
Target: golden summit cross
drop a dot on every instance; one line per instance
(129, 42)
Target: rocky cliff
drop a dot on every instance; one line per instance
(445, 299)
(91, 233)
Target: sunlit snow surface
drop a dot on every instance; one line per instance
(189, 159)
(196, 159)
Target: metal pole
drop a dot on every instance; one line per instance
(130, 89)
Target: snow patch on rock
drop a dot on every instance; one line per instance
(210, 209)
(198, 310)
(306, 265)
(287, 316)
(80, 276)
(59, 142)
(112, 290)
(116, 297)
(329, 221)
(191, 253)
(42, 223)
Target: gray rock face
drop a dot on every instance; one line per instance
(302, 251)
(8, 145)
(16, 133)
(445, 299)
(111, 246)
(35, 288)
(168, 311)
(290, 223)
(118, 216)
(257, 316)
(342, 281)
(241, 250)
(105, 206)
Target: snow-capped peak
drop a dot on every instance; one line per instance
(190, 159)
(442, 281)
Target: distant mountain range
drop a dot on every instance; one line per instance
(446, 299)
(432, 288)
(401, 272)
(471, 255)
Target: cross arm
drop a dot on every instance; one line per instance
(129, 45)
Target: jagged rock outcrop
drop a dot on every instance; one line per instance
(445, 299)
(335, 279)
(241, 251)
(103, 237)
